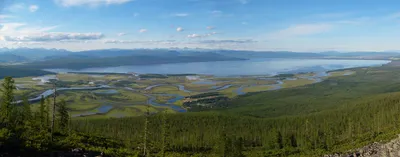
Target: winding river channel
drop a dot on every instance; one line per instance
(318, 77)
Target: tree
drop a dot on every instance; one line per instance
(164, 134)
(42, 113)
(7, 105)
(54, 110)
(145, 140)
(26, 111)
(63, 115)
(279, 140)
(237, 150)
(293, 141)
(47, 112)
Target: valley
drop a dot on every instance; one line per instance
(199, 78)
(271, 97)
(122, 95)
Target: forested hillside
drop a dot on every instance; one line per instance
(20, 72)
(334, 116)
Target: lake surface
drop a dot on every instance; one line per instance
(235, 68)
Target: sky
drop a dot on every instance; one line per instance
(261, 25)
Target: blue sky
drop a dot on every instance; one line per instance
(293, 25)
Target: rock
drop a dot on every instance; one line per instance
(390, 149)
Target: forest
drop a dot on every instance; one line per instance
(352, 111)
(20, 72)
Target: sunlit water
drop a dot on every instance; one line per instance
(247, 67)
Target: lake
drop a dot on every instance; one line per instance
(234, 68)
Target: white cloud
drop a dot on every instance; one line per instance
(238, 41)
(198, 43)
(300, 30)
(180, 14)
(70, 3)
(21, 32)
(118, 41)
(201, 36)
(33, 8)
(179, 29)
(112, 41)
(10, 27)
(142, 30)
(194, 36)
(244, 1)
(210, 27)
(18, 7)
(135, 14)
(244, 23)
(121, 34)
(51, 37)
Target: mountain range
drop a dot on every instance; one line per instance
(59, 58)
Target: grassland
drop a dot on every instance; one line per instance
(179, 103)
(168, 89)
(229, 92)
(74, 77)
(84, 101)
(197, 87)
(295, 83)
(341, 73)
(256, 88)
(163, 99)
(130, 96)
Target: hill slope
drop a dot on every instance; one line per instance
(20, 72)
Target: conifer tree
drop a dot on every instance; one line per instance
(42, 113)
(145, 140)
(279, 140)
(47, 112)
(53, 119)
(164, 135)
(63, 115)
(7, 105)
(26, 111)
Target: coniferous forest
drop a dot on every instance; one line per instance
(341, 119)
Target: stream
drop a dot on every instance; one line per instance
(50, 92)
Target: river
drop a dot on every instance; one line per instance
(51, 92)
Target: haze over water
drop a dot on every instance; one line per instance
(247, 67)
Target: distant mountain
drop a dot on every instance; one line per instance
(69, 56)
(35, 53)
(268, 54)
(128, 52)
(359, 54)
(80, 63)
(12, 58)
(40, 54)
